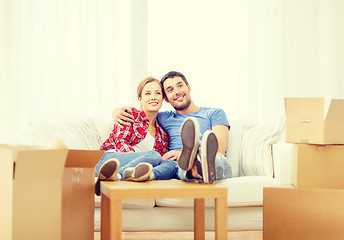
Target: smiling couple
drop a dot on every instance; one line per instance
(188, 143)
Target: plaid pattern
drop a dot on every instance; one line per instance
(122, 139)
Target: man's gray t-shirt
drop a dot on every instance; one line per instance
(172, 121)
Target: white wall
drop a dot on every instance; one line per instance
(246, 56)
(84, 57)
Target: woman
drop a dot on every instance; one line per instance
(134, 152)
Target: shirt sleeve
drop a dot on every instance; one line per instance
(218, 117)
(119, 139)
(122, 137)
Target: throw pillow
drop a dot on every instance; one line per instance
(256, 148)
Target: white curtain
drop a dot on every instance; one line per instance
(68, 56)
(83, 57)
(247, 55)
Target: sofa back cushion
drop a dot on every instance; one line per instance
(74, 132)
(248, 149)
(104, 127)
(237, 129)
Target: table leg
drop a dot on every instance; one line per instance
(199, 218)
(105, 218)
(220, 218)
(116, 219)
(111, 219)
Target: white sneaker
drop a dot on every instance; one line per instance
(140, 173)
(190, 139)
(209, 147)
(107, 172)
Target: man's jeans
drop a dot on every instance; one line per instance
(223, 170)
(163, 170)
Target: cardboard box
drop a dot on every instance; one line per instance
(78, 194)
(318, 166)
(303, 213)
(37, 193)
(305, 121)
(53, 193)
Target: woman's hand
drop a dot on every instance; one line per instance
(122, 116)
(173, 155)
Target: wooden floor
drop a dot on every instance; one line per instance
(242, 235)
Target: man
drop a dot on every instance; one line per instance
(205, 161)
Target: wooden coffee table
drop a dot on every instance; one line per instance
(114, 192)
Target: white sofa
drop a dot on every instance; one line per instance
(257, 153)
(258, 157)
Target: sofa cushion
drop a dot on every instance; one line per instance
(182, 219)
(242, 191)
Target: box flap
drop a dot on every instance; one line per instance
(304, 108)
(83, 158)
(40, 164)
(6, 188)
(336, 110)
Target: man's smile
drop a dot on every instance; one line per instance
(180, 97)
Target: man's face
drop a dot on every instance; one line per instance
(177, 93)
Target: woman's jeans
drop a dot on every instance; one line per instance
(163, 170)
(223, 170)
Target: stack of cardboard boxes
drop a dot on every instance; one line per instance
(47, 194)
(312, 207)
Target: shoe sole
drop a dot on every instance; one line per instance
(141, 172)
(209, 147)
(190, 140)
(106, 171)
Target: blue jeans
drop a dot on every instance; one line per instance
(163, 170)
(223, 169)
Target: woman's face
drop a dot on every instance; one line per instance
(151, 97)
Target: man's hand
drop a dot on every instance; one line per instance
(122, 116)
(173, 155)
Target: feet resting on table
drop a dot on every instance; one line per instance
(197, 159)
(109, 172)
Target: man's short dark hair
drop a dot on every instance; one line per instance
(173, 74)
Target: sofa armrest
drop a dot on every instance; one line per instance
(282, 160)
